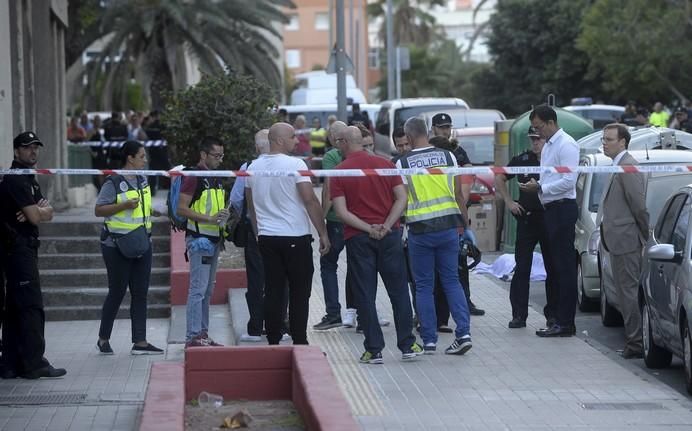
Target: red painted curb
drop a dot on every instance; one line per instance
(180, 275)
(164, 405)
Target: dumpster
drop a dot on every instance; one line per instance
(573, 124)
(78, 157)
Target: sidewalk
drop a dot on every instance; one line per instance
(509, 380)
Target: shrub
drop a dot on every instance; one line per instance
(229, 106)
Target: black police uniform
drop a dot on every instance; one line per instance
(23, 330)
(530, 231)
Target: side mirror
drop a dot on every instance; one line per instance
(662, 253)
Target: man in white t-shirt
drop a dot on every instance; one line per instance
(281, 209)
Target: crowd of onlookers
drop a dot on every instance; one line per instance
(659, 116)
(121, 126)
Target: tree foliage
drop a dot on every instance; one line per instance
(640, 47)
(151, 36)
(533, 46)
(412, 24)
(229, 106)
(84, 19)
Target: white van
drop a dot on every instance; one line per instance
(394, 113)
(319, 87)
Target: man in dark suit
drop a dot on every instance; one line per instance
(624, 230)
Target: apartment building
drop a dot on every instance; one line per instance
(311, 33)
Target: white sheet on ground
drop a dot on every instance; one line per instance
(504, 265)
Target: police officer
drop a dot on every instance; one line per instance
(530, 231)
(22, 210)
(442, 128)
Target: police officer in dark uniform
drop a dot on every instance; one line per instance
(23, 208)
(530, 231)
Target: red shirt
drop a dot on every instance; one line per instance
(369, 198)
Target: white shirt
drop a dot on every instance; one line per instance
(560, 150)
(279, 209)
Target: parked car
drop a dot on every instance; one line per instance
(643, 138)
(394, 113)
(600, 115)
(659, 186)
(592, 270)
(466, 118)
(666, 287)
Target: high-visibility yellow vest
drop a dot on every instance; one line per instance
(211, 200)
(432, 205)
(659, 119)
(130, 219)
(322, 133)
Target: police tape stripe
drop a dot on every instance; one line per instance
(476, 170)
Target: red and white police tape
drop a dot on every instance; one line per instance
(476, 170)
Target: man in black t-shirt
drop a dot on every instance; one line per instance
(23, 208)
(530, 231)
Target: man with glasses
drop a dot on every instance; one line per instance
(281, 210)
(530, 231)
(557, 193)
(203, 203)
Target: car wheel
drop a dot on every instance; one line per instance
(654, 356)
(584, 302)
(687, 357)
(609, 315)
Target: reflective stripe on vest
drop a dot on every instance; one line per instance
(430, 196)
(130, 219)
(211, 201)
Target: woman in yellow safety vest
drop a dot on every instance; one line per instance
(318, 137)
(125, 202)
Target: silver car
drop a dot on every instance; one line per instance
(666, 286)
(659, 187)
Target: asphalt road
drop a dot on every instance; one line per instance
(606, 340)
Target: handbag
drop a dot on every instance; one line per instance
(134, 244)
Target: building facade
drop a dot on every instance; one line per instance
(309, 36)
(32, 83)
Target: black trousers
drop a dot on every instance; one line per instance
(255, 286)
(123, 273)
(287, 259)
(23, 330)
(531, 230)
(559, 223)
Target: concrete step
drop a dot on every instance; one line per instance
(89, 244)
(160, 227)
(89, 260)
(154, 311)
(95, 296)
(93, 277)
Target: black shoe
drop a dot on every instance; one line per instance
(47, 371)
(556, 331)
(104, 348)
(550, 322)
(517, 323)
(8, 373)
(150, 349)
(444, 329)
(628, 353)
(475, 311)
(328, 322)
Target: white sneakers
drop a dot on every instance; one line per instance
(349, 319)
(251, 338)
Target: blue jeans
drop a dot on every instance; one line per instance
(367, 258)
(329, 263)
(437, 252)
(202, 281)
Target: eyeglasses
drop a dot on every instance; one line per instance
(604, 139)
(539, 127)
(217, 156)
(339, 139)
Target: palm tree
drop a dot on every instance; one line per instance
(150, 37)
(412, 25)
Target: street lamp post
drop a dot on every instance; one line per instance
(390, 53)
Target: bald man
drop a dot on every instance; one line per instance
(370, 208)
(281, 209)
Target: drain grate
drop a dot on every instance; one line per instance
(43, 399)
(622, 406)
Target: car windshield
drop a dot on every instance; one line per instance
(598, 182)
(659, 190)
(480, 148)
(403, 114)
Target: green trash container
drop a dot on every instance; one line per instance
(573, 124)
(78, 157)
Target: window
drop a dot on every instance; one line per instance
(293, 58)
(664, 229)
(293, 24)
(680, 231)
(321, 21)
(374, 58)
